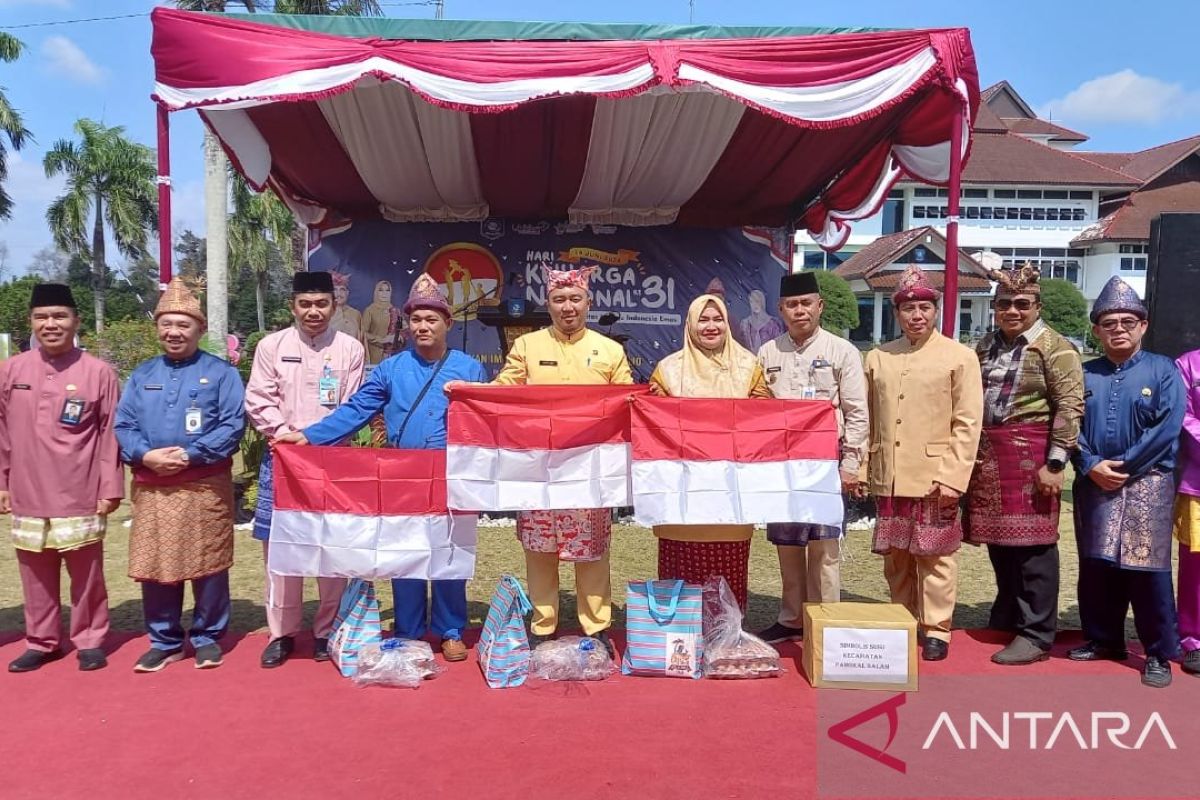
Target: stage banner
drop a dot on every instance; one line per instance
(641, 293)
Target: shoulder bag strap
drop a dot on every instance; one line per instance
(424, 390)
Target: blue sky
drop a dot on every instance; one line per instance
(1126, 77)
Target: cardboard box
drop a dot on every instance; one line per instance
(860, 646)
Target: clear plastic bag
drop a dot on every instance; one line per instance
(730, 652)
(571, 658)
(395, 662)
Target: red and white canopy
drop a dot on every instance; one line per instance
(700, 131)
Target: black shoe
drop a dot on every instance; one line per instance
(934, 649)
(209, 656)
(277, 652)
(1156, 673)
(91, 659)
(32, 660)
(603, 638)
(155, 659)
(320, 649)
(779, 633)
(1094, 651)
(1191, 662)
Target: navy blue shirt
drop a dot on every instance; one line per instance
(1133, 412)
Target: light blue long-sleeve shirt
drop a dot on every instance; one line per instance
(392, 388)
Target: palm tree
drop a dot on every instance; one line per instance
(260, 227)
(216, 184)
(109, 179)
(10, 121)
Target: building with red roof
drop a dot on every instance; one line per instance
(1029, 194)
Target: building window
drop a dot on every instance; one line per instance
(1054, 194)
(1004, 194)
(1134, 248)
(1133, 264)
(893, 216)
(924, 191)
(814, 259)
(1079, 195)
(1029, 194)
(976, 193)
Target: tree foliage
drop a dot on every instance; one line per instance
(841, 306)
(11, 125)
(110, 181)
(1064, 307)
(14, 308)
(124, 344)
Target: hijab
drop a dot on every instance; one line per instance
(697, 372)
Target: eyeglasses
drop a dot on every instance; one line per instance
(1020, 304)
(1126, 323)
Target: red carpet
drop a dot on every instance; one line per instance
(301, 731)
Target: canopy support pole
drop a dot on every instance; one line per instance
(954, 189)
(163, 180)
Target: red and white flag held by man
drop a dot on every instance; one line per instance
(531, 448)
(367, 513)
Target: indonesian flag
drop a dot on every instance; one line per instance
(707, 461)
(368, 513)
(528, 448)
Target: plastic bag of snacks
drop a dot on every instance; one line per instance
(571, 658)
(395, 662)
(730, 652)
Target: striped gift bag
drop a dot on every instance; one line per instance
(664, 629)
(356, 624)
(503, 644)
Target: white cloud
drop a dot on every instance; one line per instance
(1124, 96)
(63, 57)
(32, 193)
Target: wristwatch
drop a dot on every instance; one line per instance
(1056, 465)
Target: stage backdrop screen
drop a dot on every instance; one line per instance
(640, 295)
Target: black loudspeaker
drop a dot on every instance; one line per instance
(1173, 284)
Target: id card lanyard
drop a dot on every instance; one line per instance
(327, 386)
(193, 420)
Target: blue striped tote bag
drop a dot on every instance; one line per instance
(356, 624)
(664, 629)
(503, 645)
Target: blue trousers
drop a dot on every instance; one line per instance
(449, 608)
(1105, 594)
(162, 604)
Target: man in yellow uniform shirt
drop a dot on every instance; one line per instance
(567, 353)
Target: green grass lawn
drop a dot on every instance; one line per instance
(634, 556)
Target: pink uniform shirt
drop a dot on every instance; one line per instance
(58, 453)
(289, 386)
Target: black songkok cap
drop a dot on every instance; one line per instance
(51, 294)
(305, 282)
(798, 284)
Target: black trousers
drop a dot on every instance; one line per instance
(1026, 591)
(1105, 594)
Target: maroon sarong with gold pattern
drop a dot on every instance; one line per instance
(1004, 504)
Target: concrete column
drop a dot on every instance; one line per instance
(877, 327)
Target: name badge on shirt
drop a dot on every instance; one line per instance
(291, 359)
(24, 386)
(327, 389)
(547, 363)
(819, 363)
(153, 387)
(72, 411)
(193, 420)
(773, 369)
